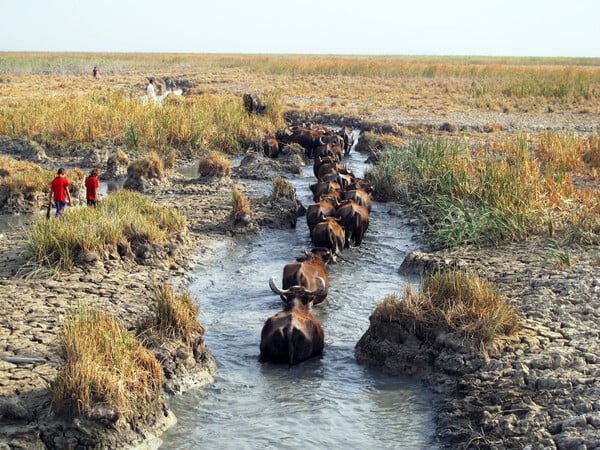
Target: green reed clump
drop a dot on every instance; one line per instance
(462, 199)
(175, 316)
(104, 365)
(453, 301)
(122, 218)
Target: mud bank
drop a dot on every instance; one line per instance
(537, 390)
(35, 304)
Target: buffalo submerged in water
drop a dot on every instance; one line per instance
(294, 334)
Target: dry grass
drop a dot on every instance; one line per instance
(175, 316)
(240, 206)
(104, 365)
(123, 218)
(23, 176)
(282, 188)
(30, 180)
(371, 84)
(214, 165)
(151, 166)
(453, 301)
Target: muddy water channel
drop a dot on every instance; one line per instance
(330, 402)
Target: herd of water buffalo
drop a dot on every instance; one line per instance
(338, 219)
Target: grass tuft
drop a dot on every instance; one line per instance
(214, 165)
(151, 166)
(283, 188)
(240, 206)
(453, 301)
(176, 316)
(104, 365)
(123, 217)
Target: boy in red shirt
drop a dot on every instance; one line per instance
(91, 188)
(59, 192)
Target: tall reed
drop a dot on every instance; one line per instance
(487, 195)
(198, 123)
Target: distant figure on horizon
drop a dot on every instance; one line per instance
(150, 90)
(95, 71)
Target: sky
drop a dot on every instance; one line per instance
(346, 27)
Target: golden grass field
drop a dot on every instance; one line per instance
(530, 125)
(360, 85)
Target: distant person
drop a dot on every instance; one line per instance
(59, 192)
(91, 188)
(95, 72)
(150, 90)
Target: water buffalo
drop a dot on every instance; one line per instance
(361, 197)
(345, 176)
(307, 138)
(324, 188)
(253, 105)
(271, 147)
(305, 272)
(294, 334)
(329, 233)
(330, 144)
(362, 185)
(355, 220)
(327, 207)
(320, 161)
(348, 137)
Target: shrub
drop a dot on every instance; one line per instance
(104, 365)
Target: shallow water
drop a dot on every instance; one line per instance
(329, 402)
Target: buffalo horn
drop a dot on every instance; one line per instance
(320, 289)
(274, 287)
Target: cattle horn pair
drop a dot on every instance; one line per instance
(281, 292)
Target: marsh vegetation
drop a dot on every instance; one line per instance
(467, 184)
